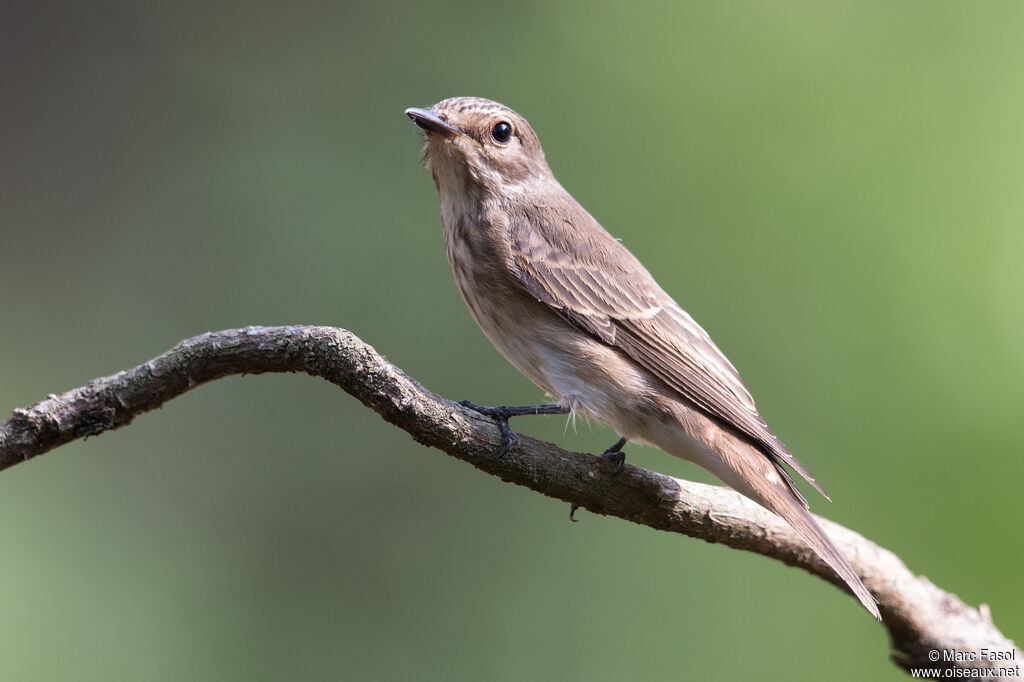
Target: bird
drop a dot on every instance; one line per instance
(577, 313)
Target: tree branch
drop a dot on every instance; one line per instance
(920, 617)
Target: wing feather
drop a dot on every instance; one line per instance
(604, 290)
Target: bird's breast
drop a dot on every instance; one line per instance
(518, 325)
(561, 359)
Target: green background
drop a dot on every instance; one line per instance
(834, 190)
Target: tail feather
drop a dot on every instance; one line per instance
(761, 477)
(791, 486)
(777, 497)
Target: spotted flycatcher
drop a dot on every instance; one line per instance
(577, 313)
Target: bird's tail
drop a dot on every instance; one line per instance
(772, 493)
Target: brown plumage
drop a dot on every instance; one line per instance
(577, 313)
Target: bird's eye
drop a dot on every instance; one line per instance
(501, 132)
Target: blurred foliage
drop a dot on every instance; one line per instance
(831, 189)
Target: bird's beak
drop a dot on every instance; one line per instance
(432, 123)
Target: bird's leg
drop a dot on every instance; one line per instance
(502, 413)
(616, 454)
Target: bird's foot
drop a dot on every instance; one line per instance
(615, 454)
(620, 461)
(502, 413)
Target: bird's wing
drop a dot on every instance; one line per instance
(604, 290)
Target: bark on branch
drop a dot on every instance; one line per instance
(920, 617)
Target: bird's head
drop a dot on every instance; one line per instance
(478, 144)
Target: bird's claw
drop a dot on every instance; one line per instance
(613, 453)
(509, 435)
(616, 454)
(618, 457)
(500, 414)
